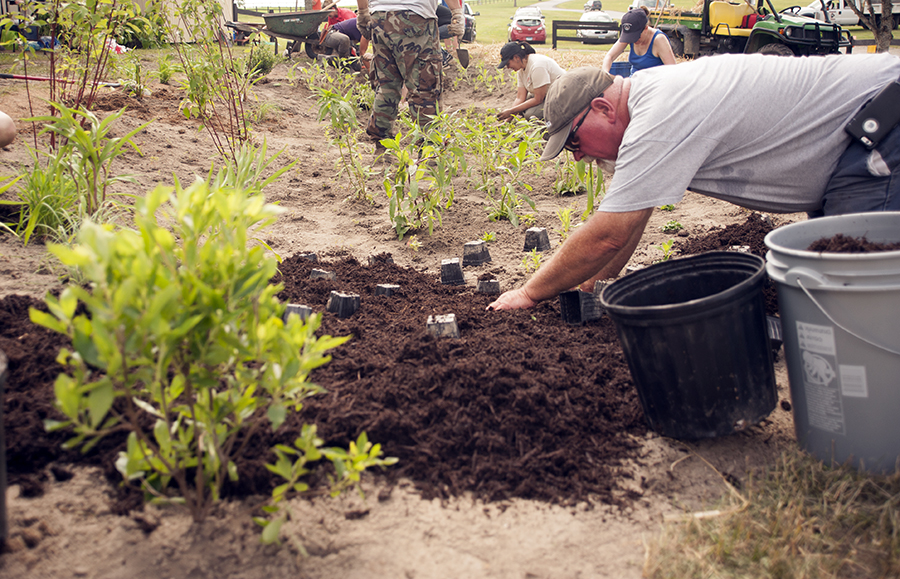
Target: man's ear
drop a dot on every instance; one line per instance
(604, 107)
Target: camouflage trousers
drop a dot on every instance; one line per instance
(407, 51)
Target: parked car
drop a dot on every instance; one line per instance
(591, 5)
(528, 11)
(527, 28)
(469, 34)
(840, 13)
(650, 4)
(597, 36)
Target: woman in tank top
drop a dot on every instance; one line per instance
(648, 46)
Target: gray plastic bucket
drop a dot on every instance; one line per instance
(693, 331)
(841, 328)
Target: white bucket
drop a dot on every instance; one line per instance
(841, 322)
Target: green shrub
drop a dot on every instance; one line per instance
(183, 345)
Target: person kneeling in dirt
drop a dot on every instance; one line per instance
(535, 73)
(341, 37)
(7, 130)
(761, 132)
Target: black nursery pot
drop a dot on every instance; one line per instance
(694, 334)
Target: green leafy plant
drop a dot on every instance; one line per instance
(489, 236)
(183, 344)
(509, 195)
(166, 68)
(246, 171)
(259, 61)
(593, 181)
(528, 219)
(135, 84)
(667, 249)
(348, 465)
(667, 208)
(565, 219)
(344, 131)
(413, 243)
(532, 261)
(672, 227)
(48, 200)
(567, 180)
(216, 82)
(87, 151)
(419, 183)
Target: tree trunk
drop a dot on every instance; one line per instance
(880, 25)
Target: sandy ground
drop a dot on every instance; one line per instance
(70, 532)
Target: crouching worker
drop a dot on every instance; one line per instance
(535, 73)
(769, 134)
(340, 38)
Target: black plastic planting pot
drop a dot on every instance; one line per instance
(694, 334)
(3, 527)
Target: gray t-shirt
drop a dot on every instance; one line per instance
(424, 8)
(762, 132)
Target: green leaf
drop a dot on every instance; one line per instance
(44, 319)
(277, 415)
(99, 401)
(270, 532)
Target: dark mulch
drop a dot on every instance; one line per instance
(521, 405)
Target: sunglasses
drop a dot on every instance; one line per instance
(572, 142)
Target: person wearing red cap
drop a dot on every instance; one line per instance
(648, 47)
(765, 133)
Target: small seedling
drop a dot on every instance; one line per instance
(413, 243)
(532, 261)
(528, 219)
(667, 208)
(667, 250)
(672, 227)
(565, 219)
(489, 236)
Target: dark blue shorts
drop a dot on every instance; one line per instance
(865, 180)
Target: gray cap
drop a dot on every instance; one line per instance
(569, 95)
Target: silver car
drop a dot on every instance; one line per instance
(597, 36)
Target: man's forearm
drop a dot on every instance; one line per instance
(602, 244)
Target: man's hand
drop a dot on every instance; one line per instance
(457, 22)
(505, 115)
(364, 22)
(515, 299)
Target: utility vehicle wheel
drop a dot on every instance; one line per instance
(677, 45)
(777, 49)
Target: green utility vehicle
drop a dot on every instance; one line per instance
(723, 27)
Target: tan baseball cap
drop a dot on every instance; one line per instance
(569, 95)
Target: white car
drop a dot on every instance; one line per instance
(528, 12)
(650, 4)
(597, 36)
(838, 12)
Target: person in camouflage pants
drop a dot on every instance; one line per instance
(406, 52)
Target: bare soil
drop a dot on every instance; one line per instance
(523, 450)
